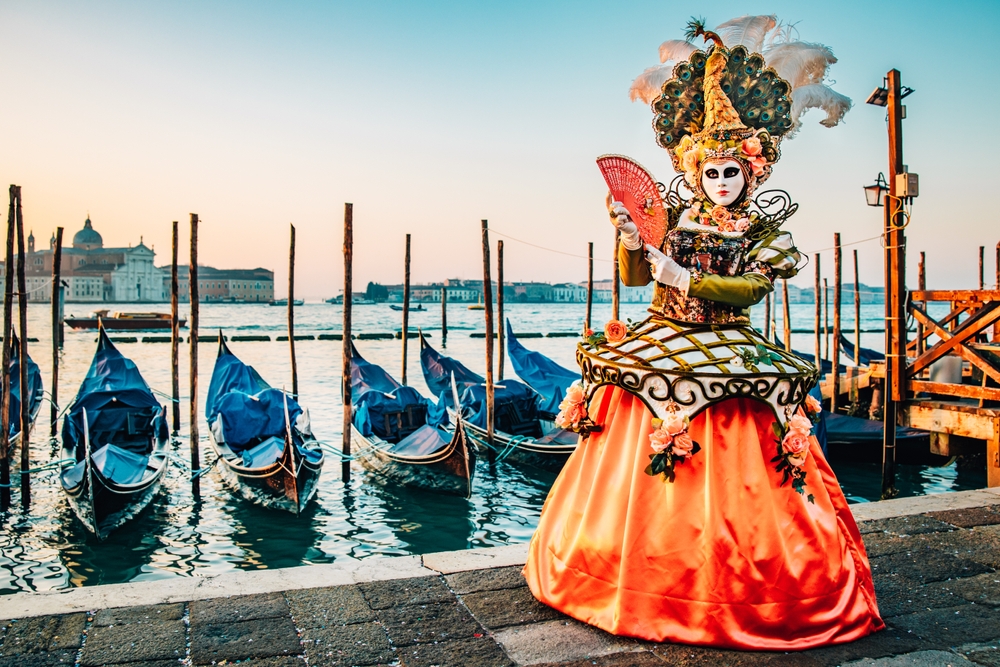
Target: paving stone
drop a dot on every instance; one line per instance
(555, 641)
(47, 659)
(357, 644)
(987, 657)
(878, 645)
(145, 614)
(916, 524)
(400, 592)
(677, 655)
(953, 626)
(641, 659)
(43, 633)
(261, 638)
(493, 579)
(980, 544)
(870, 526)
(967, 518)
(896, 595)
(134, 642)
(981, 589)
(441, 621)
(320, 607)
(515, 606)
(918, 659)
(150, 663)
(883, 544)
(924, 565)
(479, 652)
(239, 608)
(274, 661)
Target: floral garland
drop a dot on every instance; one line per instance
(573, 413)
(671, 443)
(793, 446)
(749, 359)
(615, 331)
(758, 151)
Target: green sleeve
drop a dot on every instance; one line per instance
(742, 291)
(633, 267)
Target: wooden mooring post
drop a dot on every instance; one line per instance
(488, 307)
(193, 361)
(406, 304)
(57, 329)
(22, 316)
(767, 316)
(819, 315)
(921, 285)
(590, 283)
(615, 280)
(444, 314)
(291, 310)
(786, 316)
(8, 308)
(826, 319)
(175, 333)
(347, 346)
(857, 314)
(982, 267)
(501, 325)
(835, 344)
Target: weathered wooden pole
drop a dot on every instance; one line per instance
(57, 329)
(444, 313)
(291, 310)
(921, 285)
(501, 324)
(590, 282)
(835, 344)
(826, 318)
(982, 267)
(8, 307)
(857, 314)
(817, 321)
(488, 307)
(895, 287)
(406, 304)
(996, 327)
(175, 333)
(345, 371)
(22, 312)
(767, 316)
(615, 280)
(786, 315)
(193, 360)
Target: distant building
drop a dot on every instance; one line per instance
(94, 273)
(225, 285)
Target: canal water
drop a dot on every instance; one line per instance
(46, 547)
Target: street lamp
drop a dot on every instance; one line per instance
(875, 193)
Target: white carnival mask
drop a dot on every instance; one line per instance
(723, 181)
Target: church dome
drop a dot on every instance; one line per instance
(87, 238)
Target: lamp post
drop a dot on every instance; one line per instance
(875, 193)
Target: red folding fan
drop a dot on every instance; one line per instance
(632, 185)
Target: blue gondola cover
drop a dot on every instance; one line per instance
(35, 390)
(542, 374)
(438, 370)
(376, 394)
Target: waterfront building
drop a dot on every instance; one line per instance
(225, 285)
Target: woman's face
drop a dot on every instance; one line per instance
(723, 181)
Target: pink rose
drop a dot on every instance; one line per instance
(799, 424)
(659, 440)
(674, 423)
(574, 394)
(683, 444)
(758, 163)
(615, 331)
(742, 225)
(751, 146)
(690, 161)
(813, 405)
(721, 214)
(795, 444)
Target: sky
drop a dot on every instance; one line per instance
(431, 116)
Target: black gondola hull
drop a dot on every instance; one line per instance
(288, 484)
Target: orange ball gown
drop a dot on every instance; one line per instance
(728, 554)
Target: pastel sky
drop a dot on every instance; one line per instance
(430, 116)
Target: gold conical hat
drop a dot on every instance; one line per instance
(720, 115)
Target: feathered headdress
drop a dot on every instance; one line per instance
(732, 101)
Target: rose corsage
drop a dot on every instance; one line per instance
(573, 414)
(671, 443)
(793, 449)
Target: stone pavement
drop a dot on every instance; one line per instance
(935, 563)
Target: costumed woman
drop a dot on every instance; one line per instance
(698, 507)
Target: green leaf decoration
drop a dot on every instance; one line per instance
(811, 498)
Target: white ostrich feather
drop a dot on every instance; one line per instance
(818, 96)
(750, 31)
(800, 63)
(647, 86)
(675, 50)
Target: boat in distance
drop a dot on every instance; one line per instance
(401, 435)
(116, 432)
(262, 436)
(284, 302)
(415, 308)
(123, 321)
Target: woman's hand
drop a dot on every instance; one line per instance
(621, 219)
(665, 270)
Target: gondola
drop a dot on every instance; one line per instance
(522, 433)
(35, 393)
(400, 434)
(262, 437)
(413, 309)
(116, 431)
(540, 373)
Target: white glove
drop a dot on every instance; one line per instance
(621, 219)
(665, 270)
